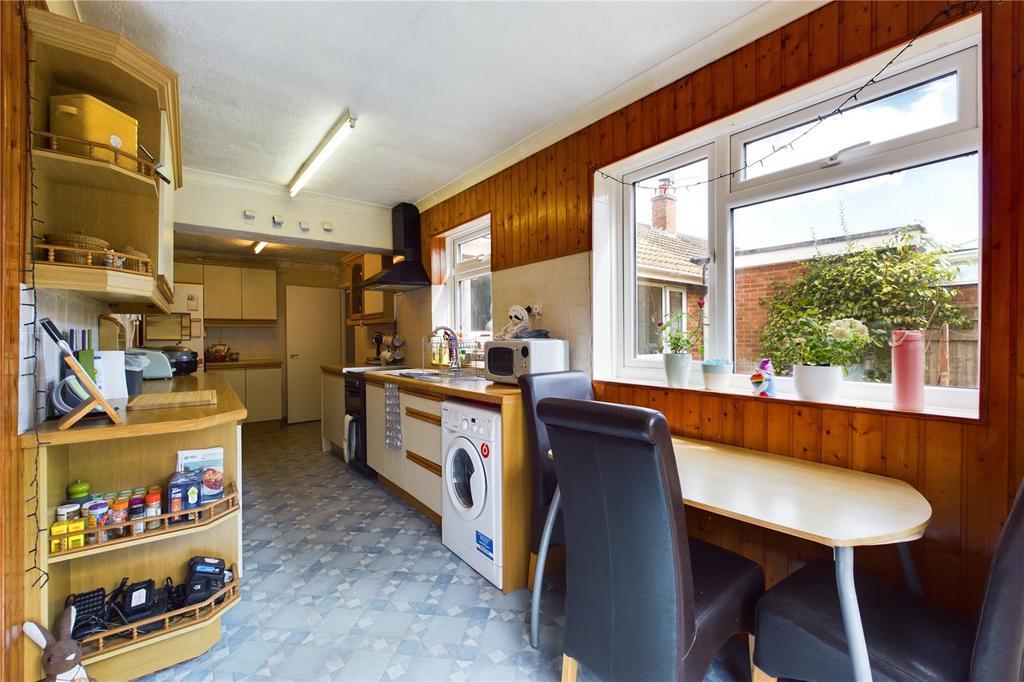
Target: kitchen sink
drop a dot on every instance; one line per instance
(438, 376)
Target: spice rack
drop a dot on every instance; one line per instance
(206, 516)
(109, 642)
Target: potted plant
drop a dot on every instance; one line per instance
(820, 351)
(717, 373)
(682, 334)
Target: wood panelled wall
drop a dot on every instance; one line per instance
(13, 193)
(969, 470)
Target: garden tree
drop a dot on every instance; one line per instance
(896, 285)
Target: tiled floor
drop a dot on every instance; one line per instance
(343, 581)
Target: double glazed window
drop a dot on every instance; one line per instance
(469, 281)
(871, 214)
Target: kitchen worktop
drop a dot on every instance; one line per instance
(340, 369)
(150, 422)
(253, 363)
(481, 390)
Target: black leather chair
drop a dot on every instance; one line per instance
(546, 523)
(643, 601)
(800, 629)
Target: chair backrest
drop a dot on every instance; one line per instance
(537, 387)
(629, 591)
(999, 643)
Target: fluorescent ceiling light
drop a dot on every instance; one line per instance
(342, 129)
(259, 247)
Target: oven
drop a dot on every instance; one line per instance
(355, 409)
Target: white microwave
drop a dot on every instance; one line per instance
(508, 359)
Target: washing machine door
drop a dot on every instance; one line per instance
(465, 479)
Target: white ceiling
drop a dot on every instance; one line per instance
(438, 87)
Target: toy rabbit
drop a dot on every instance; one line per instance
(61, 657)
(518, 322)
(763, 379)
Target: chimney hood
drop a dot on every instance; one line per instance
(408, 273)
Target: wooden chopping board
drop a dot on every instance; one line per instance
(160, 401)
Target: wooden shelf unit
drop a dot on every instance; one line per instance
(75, 192)
(104, 284)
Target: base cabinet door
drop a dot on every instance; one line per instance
(235, 377)
(263, 393)
(332, 420)
(377, 454)
(423, 480)
(421, 441)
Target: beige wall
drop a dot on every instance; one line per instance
(562, 286)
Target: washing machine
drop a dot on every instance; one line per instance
(471, 478)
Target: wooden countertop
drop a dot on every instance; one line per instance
(150, 422)
(481, 391)
(333, 369)
(255, 363)
(821, 503)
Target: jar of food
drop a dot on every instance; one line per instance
(98, 514)
(118, 514)
(69, 512)
(153, 509)
(137, 510)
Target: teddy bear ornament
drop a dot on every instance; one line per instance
(62, 658)
(518, 326)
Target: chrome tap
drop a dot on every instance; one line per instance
(453, 345)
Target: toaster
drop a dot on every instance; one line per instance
(159, 366)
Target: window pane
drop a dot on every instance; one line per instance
(474, 248)
(474, 304)
(924, 106)
(893, 251)
(671, 224)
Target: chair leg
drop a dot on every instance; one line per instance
(538, 573)
(569, 668)
(756, 674)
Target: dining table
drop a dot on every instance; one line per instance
(833, 506)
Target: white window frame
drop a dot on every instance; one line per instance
(457, 272)
(954, 49)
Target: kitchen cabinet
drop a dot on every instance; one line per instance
(368, 307)
(421, 445)
(332, 401)
(259, 294)
(259, 389)
(240, 294)
(189, 273)
(263, 394)
(223, 286)
(384, 461)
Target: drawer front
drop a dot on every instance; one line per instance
(421, 426)
(424, 402)
(423, 479)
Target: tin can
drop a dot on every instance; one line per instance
(68, 512)
(99, 513)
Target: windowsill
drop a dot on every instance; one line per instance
(946, 412)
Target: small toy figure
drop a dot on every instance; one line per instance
(61, 657)
(518, 322)
(763, 379)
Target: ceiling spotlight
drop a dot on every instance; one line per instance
(259, 247)
(342, 129)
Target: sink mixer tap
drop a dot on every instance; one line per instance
(449, 335)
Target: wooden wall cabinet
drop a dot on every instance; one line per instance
(368, 307)
(239, 294)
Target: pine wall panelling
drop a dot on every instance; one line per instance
(540, 209)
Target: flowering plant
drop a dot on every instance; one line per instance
(683, 332)
(839, 342)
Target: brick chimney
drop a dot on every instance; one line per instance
(663, 207)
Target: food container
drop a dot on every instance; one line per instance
(85, 117)
(118, 514)
(76, 541)
(67, 512)
(152, 502)
(183, 493)
(136, 511)
(58, 528)
(99, 513)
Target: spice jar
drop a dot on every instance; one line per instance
(137, 510)
(68, 512)
(153, 509)
(98, 513)
(118, 514)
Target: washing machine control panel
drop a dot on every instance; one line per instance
(475, 425)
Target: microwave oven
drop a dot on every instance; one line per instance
(508, 359)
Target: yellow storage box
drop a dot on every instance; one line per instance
(87, 118)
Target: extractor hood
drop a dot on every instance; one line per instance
(408, 273)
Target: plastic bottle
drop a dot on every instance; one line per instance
(907, 370)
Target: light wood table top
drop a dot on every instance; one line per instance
(818, 502)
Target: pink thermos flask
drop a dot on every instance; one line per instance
(907, 370)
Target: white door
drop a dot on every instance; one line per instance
(312, 338)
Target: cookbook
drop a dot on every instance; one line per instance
(208, 464)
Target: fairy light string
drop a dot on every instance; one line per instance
(964, 8)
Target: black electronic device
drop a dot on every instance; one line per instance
(90, 612)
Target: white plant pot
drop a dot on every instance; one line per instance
(717, 377)
(677, 369)
(817, 383)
